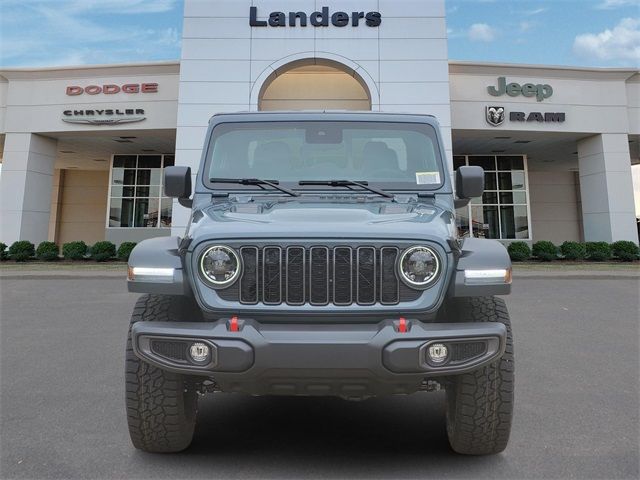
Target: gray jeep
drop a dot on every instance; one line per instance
(321, 258)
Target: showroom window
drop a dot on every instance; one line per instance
(503, 210)
(135, 192)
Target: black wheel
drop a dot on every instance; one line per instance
(161, 406)
(480, 403)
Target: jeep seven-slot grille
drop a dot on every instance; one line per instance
(319, 275)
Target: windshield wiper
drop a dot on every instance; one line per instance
(255, 181)
(346, 183)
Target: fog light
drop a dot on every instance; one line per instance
(199, 352)
(437, 353)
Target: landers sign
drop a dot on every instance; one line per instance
(321, 18)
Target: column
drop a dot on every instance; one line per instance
(25, 187)
(606, 188)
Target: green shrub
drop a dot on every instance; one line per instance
(545, 251)
(74, 250)
(519, 251)
(103, 251)
(3, 251)
(573, 250)
(22, 250)
(47, 251)
(625, 250)
(124, 250)
(598, 251)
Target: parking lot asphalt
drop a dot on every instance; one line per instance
(62, 398)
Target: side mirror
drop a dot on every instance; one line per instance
(469, 184)
(177, 184)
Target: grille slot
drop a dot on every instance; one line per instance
(249, 280)
(170, 349)
(319, 284)
(295, 268)
(467, 350)
(389, 283)
(272, 275)
(342, 276)
(319, 275)
(366, 271)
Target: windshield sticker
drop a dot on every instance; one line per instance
(427, 178)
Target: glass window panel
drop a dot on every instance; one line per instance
(169, 160)
(462, 221)
(121, 212)
(146, 212)
(490, 181)
(488, 163)
(510, 163)
(150, 177)
(119, 191)
(487, 197)
(515, 224)
(124, 161)
(156, 176)
(149, 161)
(485, 222)
(511, 181)
(513, 197)
(458, 161)
(147, 192)
(490, 197)
(165, 212)
(123, 177)
(144, 177)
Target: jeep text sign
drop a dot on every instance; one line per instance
(514, 89)
(321, 18)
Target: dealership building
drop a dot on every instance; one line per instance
(83, 148)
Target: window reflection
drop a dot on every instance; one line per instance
(135, 194)
(502, 211)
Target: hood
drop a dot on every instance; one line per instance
(318, 218)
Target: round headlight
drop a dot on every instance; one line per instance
(220, 265)
(419, 266)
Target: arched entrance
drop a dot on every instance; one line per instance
(314, 84)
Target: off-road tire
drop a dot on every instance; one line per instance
(480, 403)
(161, 405)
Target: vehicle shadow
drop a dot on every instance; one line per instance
(266, 437)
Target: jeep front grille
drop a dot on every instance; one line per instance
(319, 275)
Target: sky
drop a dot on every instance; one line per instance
(35, 33)
(594, 33)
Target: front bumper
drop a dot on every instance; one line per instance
(354, 360)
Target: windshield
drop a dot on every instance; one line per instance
(402, 156)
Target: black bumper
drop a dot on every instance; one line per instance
(352, 360)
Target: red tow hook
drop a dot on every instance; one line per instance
(233, 325)
(402, 325)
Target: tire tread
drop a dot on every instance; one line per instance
(481, 402)
(161, 417)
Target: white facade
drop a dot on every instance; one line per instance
(226, 63)
(62, 181)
